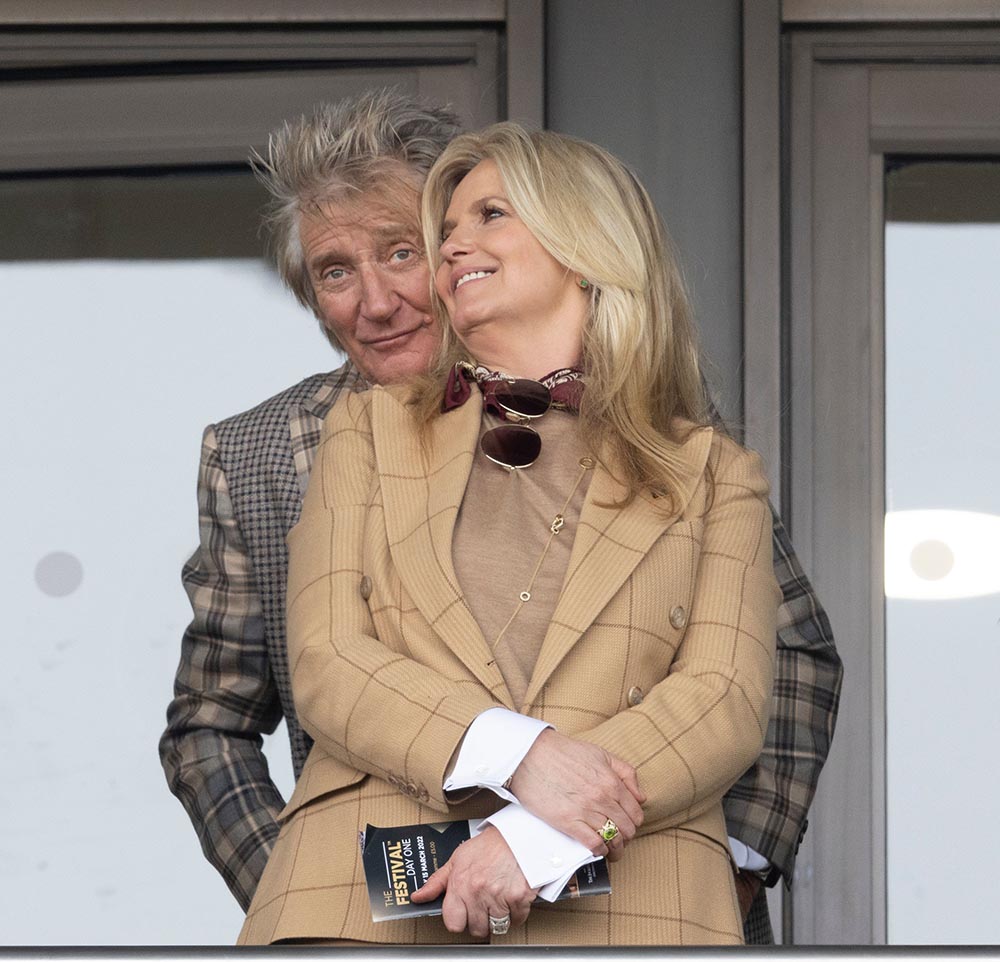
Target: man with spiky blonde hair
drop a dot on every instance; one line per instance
(343, 218)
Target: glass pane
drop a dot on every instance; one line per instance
(942, 550)
(136, 311)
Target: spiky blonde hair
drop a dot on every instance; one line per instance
(376, 143)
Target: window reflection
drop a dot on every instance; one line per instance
(942, 546)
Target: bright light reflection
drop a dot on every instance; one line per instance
(941, 554)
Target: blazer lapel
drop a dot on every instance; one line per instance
(305, 420)
(609, 543)
(422, 492)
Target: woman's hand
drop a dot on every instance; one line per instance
(575, 787)
(481, 879)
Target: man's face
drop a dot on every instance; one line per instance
(365, 263)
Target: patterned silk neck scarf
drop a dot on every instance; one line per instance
(564, 385)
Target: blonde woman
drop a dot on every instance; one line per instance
(535, 585)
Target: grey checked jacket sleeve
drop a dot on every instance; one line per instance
(766, 809)
(224, 696)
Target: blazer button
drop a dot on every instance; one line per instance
(366, 587)
(678, 617)
(412, 790)
(635, 696)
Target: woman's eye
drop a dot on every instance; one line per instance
(492, 213)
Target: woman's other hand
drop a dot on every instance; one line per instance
(480, 880)
(575, 787)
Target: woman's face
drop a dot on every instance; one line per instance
(496, 279)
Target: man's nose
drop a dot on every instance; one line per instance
(379, 299)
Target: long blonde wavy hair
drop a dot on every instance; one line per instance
(640, 353)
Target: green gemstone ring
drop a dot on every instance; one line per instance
(608, 831)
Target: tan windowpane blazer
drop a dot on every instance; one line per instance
(389, 668)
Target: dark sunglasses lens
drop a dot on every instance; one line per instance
(512, 445)
(530, 399)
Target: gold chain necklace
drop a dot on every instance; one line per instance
(558, 522)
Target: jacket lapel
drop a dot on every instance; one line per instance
(422, 492)
(305, 420)
(609, 543)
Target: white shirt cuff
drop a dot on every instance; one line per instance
(493, 747)
(746, 857)
(547, 857)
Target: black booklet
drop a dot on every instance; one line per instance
(399, 860)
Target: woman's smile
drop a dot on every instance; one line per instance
(471, 276)
(497, 281)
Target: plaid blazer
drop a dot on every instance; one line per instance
(232, 683)
(389, 668)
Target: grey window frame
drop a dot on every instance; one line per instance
(822, 109)
(45, 45)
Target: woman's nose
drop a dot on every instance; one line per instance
(457, 243)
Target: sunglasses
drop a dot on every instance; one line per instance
(515, 445)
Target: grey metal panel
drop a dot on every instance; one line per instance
(918, 107)
(77, 48)
(837, 441)
(658, 84)
(762, 319)
(526, 62)
(762, 234)
(798, 508)
(876, 521)
(473, 89)
(800, 296)
(213, 116)
(899, 45)
(34, 12)
(889, 11)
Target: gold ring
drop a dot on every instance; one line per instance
(608, 831)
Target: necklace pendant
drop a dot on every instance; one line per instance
(557, 524)
(525, 596)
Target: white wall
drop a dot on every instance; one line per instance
(109, 372)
